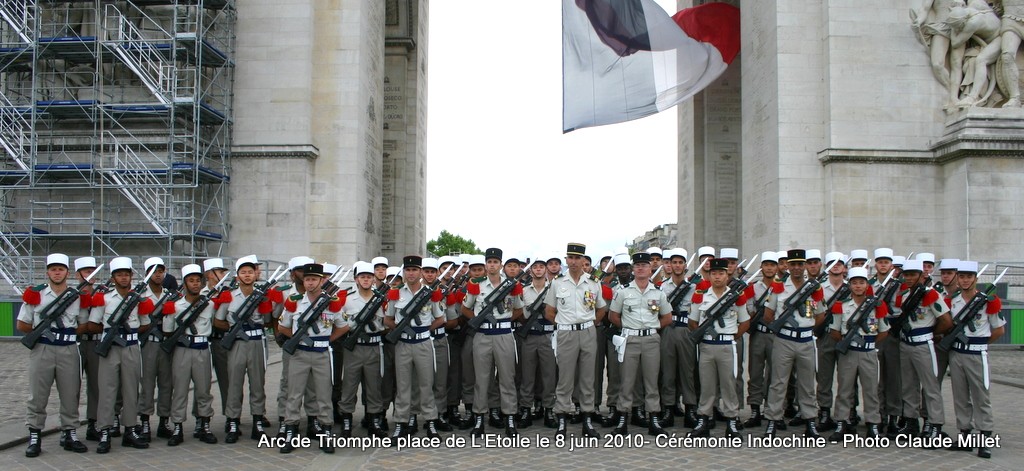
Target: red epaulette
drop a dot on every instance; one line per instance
(146, 307)
(338, 301)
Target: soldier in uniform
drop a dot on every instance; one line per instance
(826, 346)
(456, 340)
(639, 309)
(575, 303)
(678, 351)
(191, 359)
(860, 362)
(606, 356)
(476, 268)
(968, 362)
(439, 337)
(121, 369)
(414, 353)
(794, 348)
(917, 355)
(761, 338)
(363, 363)
(947, 284)
(214, 270)
(53, 360)
(537, 357)
(84, 266)
(310, 365)
(719, 358)
(732, 256)
(295, 267)
(156, 363)
(494, 347)
(247, 357)
(890, 377)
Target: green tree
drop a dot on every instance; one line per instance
(447, 243)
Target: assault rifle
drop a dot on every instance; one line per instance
(412, 310)
(311, 316)
(676, 297)
(119, 318)
(859, 321)
(716, 313)
(965, 318)
(536, 310)
(168, 296)
(798, 299)
(759, 306)
(841, 293)
(244, 312)
(495, 300)
(363, 318)
(187, 319)
(53, 313)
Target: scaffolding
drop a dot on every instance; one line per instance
(115, 129)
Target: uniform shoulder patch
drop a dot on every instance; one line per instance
(295, 297)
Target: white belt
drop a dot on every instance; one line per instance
(418, 336)
(372, 340)
(973, 347)
(919, 338)
(254, 333)
(638, 332)
(320, 344)
(438, 331)
(580, 326)
(720, 337)
(198, 339)
(64, 337)
(496, 325)
(134, 336)
(543, 328)
(796, 333)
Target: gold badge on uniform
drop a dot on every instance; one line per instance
(589, 300)
(653, 305)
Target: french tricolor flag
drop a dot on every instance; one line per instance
(626, 59)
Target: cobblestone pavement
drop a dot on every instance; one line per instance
(617, 456)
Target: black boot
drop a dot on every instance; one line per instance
(910, 427)
(399, 432)
(690, 416)
(115, 431)
(588, 426)
(549, 418)
(620, 424)
(35, 443)
(206, 434)
(525, 417)
(478, 425)
(538, 409)
(576, 417)
(560, 425)
(812, 429)
(965, 436)
(755, 417)
(198, 430)
(290, 432)
(431, 428)
(636, 418)
(325, 439)
(161, 429)
(413, 425)
(701, 430)
(144, 430)
(104, 446)
(259, 423)
(282, 429)
(346, 425)
(798, 421)
(654, 423)
(926, 428)
(91, 433)
(791, 411)
(177, 436)
(895, 424)
(841, 431)
(454, 419)
(494, 417)
(233, 433)
(510, 424)
(365, 422)
(825, 421)
(132, 439)
(70, 441)
(874, 431)
(983, 449)
(667, 419)
(312, 427)
(442, 422)
(732, 428)
(770, 430)
(469, 420)
(934, 433)
(375, 429)
(854, 418)
(719, 416)
(611, 419)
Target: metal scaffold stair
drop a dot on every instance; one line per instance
(20, 15)
(14, 133)
(153, 66)
(140, 185)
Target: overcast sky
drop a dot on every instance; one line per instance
(500, 171)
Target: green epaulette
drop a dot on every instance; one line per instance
(295, 297)
(479, 279)
(283, 287)
(39, 288)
